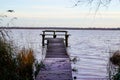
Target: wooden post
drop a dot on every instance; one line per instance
(43, 39)
(54, 35)
(66, 39)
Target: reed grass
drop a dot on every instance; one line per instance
(25, 64)
(115, 59)
(15, 67)
(7, 61)
(39, 66)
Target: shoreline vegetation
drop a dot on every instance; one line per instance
(67, 28)
(16, 63)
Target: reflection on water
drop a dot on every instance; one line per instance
(90, 47)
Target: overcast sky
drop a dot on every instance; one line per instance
(59, 13)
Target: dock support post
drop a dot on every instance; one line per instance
(43, 39)
(66, 39)
(54, 35)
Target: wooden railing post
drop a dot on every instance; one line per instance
(54, 35)
(66, 39)
(43, 39)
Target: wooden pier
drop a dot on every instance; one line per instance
(57, 62)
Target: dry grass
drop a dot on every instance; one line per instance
(115, 59)
(15, 67)
(25, 63)
(7, 61)
(26, 57)
(12, 66)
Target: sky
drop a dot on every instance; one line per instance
(58, 13)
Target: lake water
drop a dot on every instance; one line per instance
(91, 48)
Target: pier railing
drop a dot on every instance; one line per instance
(47, 34)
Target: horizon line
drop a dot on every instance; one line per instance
(69, 28)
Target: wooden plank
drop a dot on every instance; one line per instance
(55, 34)
(57, 62)
(56, 69)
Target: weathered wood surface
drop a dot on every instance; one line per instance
(57, 62)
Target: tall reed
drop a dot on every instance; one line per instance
(25, 64)
(115, 59)
(15, 66)
(7, 61)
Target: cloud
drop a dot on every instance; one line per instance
(108, 15)
(41, 7)
(68, 14)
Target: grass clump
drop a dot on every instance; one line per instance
(117, 75)
(15, 67)
(8, 64)
(25, 60)
(38, 67)
(115, 59)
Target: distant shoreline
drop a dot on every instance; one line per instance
(66, 28)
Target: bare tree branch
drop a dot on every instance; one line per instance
(98, 3)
